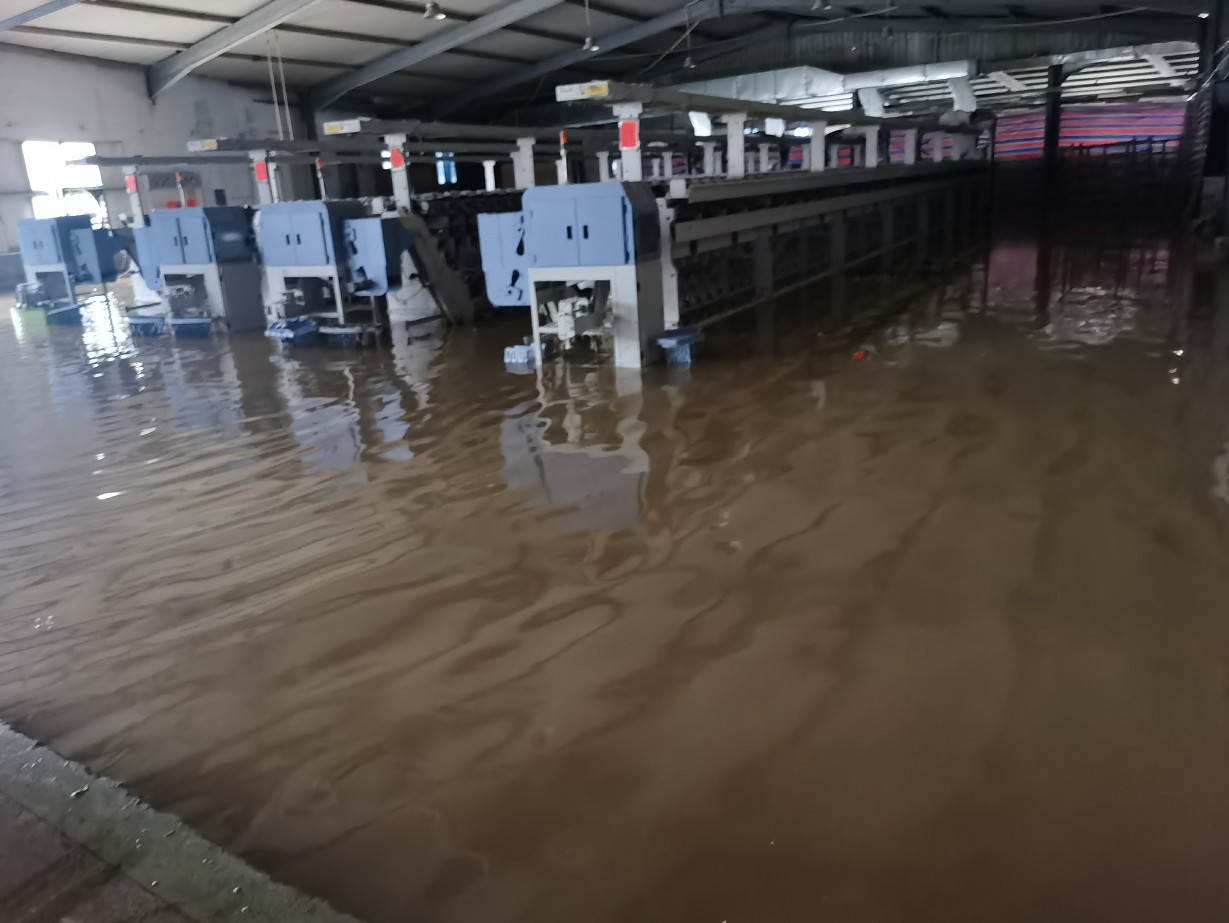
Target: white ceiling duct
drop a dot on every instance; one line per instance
(815, 87)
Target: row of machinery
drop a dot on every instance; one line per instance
(246, 268)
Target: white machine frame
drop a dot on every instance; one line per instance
(52, 269)
(275, 281)
(242, 277)
(635, 302)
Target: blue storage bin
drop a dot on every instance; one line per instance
(146, 325)
(191, 326)
(69, 316)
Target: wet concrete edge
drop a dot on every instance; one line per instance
(156, 850)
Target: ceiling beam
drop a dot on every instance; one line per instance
(496, 19)
(227, 56)
(166, 73)
(291, 29)
(21, 19)
(693, 12)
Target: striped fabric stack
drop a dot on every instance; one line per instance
(1021, 133)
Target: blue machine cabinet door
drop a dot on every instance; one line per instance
(311, 240)
(167, 242)
(555, 234)
(603, 231)
(38, 241)
(194, 237)
(276, 238)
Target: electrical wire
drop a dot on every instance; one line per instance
(686, 35)
(285, 96)
(277, 109)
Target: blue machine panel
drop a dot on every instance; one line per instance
(93, 256)
(604, 229)
(591, 224)
(167, 246)
(48, 240)
(276, 241)
(304, 233)
(501, 241)
(147, 256)
(194, 236)
(554, 238)
(374, 247)
(312, 241)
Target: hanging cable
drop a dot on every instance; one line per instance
(277, 109)
(277, 39)
(589, 45)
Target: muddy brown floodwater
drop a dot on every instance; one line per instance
(939, 635)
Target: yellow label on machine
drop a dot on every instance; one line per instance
(597, 89)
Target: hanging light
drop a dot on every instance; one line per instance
(433, 11)
(688, 63)
(590, 45)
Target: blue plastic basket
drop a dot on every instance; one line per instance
(69, 316)
(295, 331)
(146, 325)
(678, 344)
(191, 326)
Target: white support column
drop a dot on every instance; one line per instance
(400, 171)
(603, 167)
(522, 164)
(488, 173)
(963, 146)
(710, 159)
(937, 141)
(561, 165)
(134, 196)
(817, 147)
(628, 115)
(910, 145)
(765, 159)
(264, 179)
(735, 144)
(871, 133)
(667, 162)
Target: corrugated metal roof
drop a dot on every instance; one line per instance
(333, 35)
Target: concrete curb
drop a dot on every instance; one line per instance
(156, 850)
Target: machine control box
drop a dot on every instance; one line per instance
(591, 224)
(501, 242)
(305, 233)
(374, 247)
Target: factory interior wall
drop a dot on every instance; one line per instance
(57, 97)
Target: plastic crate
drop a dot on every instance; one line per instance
(195, 327)
(519, 355)
(146, 325)
(295, 331)
(678, 344)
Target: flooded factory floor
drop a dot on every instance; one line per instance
(937, 634)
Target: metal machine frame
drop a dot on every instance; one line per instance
(229, 279)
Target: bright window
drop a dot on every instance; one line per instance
(60, 188)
